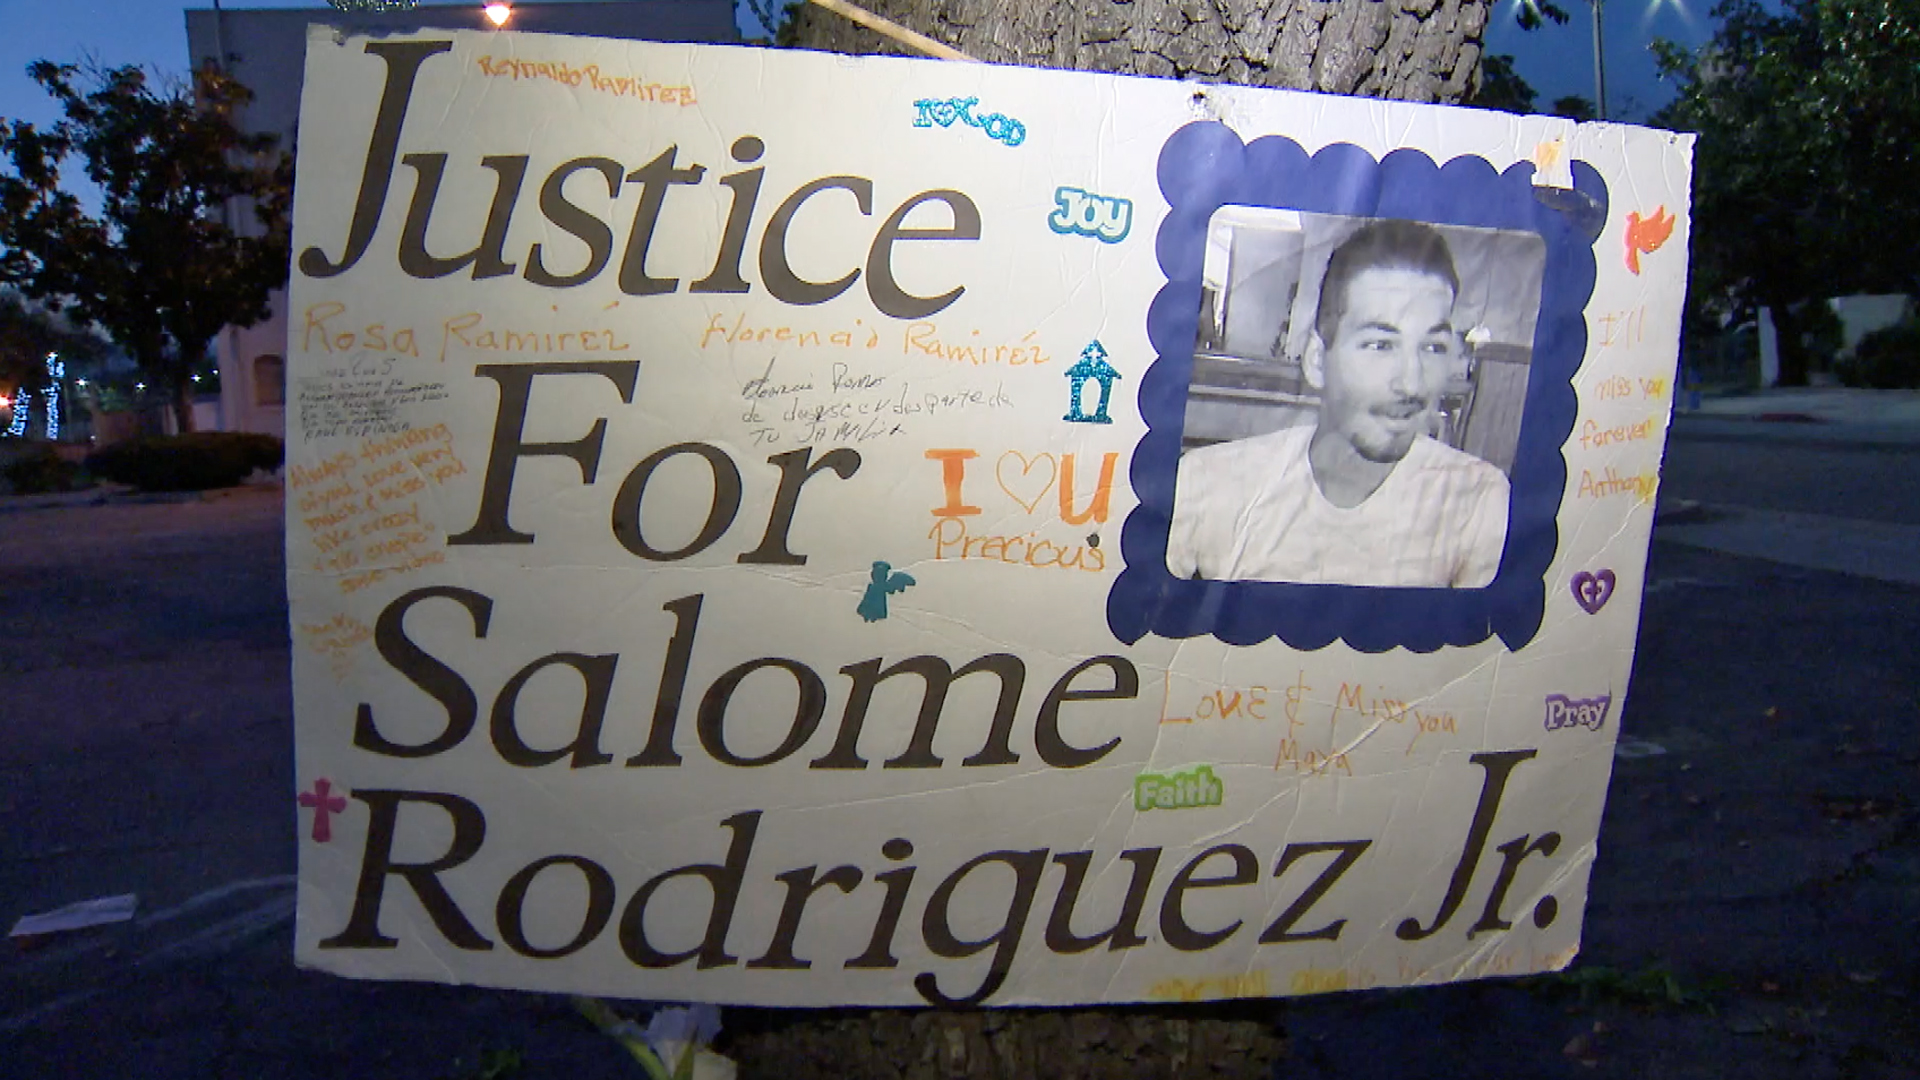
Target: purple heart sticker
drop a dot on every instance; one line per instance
(1593, 590)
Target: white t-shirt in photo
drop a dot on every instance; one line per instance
(1249, 510)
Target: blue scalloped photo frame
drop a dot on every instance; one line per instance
(1204, 166)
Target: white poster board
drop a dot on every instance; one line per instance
(780, 528)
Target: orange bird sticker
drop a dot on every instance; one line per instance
(1647, 236)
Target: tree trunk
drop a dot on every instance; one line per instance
(1410, 50)
(1234, 1040)
(1789, 335)
(183, 405)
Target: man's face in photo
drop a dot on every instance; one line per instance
(1387, 362)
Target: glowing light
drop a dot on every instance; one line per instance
(56, 373)
(140, 386)
(498, 13)
(1679, 7)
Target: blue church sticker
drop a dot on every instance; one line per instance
(1204, 167)
(1091, 367)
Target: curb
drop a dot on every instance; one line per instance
(1818, 434)
(1679, 512)
(122, 496)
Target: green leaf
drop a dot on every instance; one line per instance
(158, 268)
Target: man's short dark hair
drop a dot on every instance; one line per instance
(1380, 245)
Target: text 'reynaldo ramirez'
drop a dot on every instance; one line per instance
(403, 61)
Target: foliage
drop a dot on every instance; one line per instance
(497, 1064)
(28, 334)
(193, 462)
(1821, 331)
(38, 470)
(771, 14)
(1887, 358)
(1809, 120)
(1653, 986)
(1573, 107)
(160, 268)
(1533, 14)
(670, 1045)
(1501, 87)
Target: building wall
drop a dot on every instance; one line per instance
(1860, 315)
(266, 51)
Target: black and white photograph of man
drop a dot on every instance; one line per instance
(1339, 446)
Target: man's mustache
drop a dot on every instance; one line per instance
(1403, 408)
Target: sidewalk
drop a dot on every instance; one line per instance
(1870, 549)
(111, 494)
(1813, 429)
(1883, 419)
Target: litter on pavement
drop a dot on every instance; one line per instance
(77, 916)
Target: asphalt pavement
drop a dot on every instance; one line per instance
(1825, 478)
(1754, 911)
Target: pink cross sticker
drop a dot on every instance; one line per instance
(322, 804)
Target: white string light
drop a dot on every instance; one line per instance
(56, 371)
(50, 399)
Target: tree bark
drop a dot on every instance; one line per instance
(1410, 50)
(1235, 1040)
(183, 405)
(1789, 335)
